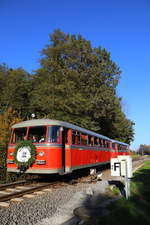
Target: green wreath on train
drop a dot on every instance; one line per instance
(24, 154)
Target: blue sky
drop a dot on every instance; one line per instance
(122, 27)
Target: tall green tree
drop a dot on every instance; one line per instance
(77, 83)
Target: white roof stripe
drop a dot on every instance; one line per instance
(119, 142)
(44, 122)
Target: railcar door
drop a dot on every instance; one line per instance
(64, 142)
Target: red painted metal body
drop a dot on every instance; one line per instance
(65, 155)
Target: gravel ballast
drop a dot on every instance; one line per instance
(59, 204)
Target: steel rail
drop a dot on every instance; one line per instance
(12, 184)
(22, 192)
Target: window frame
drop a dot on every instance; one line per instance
(37, 142)
(12, 133)
(27, 134)
(60, 135)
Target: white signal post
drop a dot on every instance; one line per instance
(122, 166)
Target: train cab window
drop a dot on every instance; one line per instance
(37, 134)
(19, 134)
(54, 134)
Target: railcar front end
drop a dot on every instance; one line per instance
(48, 149)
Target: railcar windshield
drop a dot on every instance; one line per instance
(19, 134)
(37, 134)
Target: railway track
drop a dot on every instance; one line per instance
(13, 184)
(21, 188)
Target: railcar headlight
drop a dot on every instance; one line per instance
(11, 153)
(41, 153)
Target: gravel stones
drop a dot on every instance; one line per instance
(81, 195)
(57, 205)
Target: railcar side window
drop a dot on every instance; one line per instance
(90, 140)
(84, 139)
(101, 141)
(19, 134)
(113, 145)
(96, 141)
(54, 134)
(106, 144)
(124, 148)
(37, 134)
(76, 138)
(120, 147)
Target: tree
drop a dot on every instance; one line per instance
(144, 149)
(77, 83)
(116, 125)
(15, 88)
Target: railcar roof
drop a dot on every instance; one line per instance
(119, 142)
(44, 122)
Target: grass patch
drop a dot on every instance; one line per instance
(136, 210)
(116, 191)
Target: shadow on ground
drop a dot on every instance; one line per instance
(105, 210)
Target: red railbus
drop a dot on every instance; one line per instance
(44, 146)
